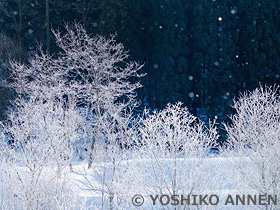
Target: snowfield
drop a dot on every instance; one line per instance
(222, 180)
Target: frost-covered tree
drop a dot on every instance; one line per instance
(99, 73)
(255, 136)
(174, 145)
(93, 70)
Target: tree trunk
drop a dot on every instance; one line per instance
(98, 117)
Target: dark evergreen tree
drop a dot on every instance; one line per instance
(213, 58)
(168, 69)
(258, 43)
(9, 49)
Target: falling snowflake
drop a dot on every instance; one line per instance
(220, 19)
(191, 94)
(233, 10)
(191, 78)
(216, 63)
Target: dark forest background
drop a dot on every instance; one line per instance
(203, 52)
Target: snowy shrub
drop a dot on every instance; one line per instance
(254, 135)
(36, 159)
(174, 147)
(24, 189)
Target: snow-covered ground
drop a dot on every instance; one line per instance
(220, 178)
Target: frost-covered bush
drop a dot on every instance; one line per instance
(174, 147)
(37, 155)
(254, 135)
